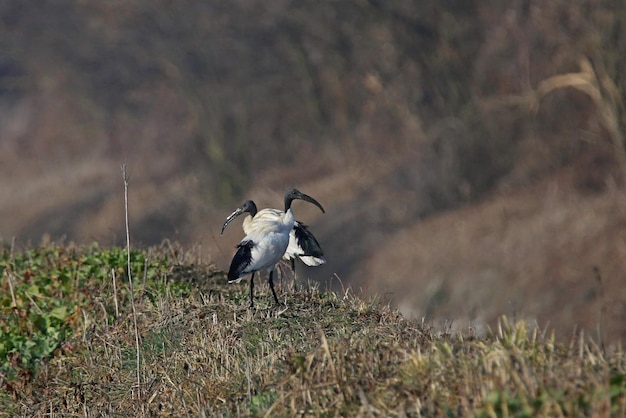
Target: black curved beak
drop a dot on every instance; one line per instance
(311, 200)
(247, 206)
(297, 194)
(232, 216)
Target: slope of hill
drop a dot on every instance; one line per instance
(79, 339)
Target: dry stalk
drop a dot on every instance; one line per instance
(8, 276)
(117, 309)
(331, 362)
(596, 271)
(601, 90)
(143, 285)
(130, 280)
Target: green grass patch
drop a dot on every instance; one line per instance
(47, 291)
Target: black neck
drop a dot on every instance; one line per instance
(288, 200)
(253, 210)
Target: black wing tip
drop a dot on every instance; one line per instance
(241, 260)
(307, 241)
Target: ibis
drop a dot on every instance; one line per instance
(268, 238)
(302, 243)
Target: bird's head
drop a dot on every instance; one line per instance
(293, 194)
(247, 206)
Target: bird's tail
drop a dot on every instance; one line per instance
(312, 261)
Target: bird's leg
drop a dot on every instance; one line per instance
(252, 290)
(271, 281)
(295, 276)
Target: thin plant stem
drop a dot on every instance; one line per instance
(130, 280)
(117, 309)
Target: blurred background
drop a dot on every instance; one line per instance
(469, 154)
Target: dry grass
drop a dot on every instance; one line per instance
(603, 92)
(204, 353)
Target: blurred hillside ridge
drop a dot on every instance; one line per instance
(470, 155)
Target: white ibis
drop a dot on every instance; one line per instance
(267, 239)
(302, 243)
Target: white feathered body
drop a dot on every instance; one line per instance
(266, 241)
(294, 248)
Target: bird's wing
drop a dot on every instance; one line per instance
(241, 260)
(304, 240)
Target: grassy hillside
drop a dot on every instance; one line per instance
(405, 119)
(76, 341)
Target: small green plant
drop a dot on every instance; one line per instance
(45, 292)
(617, 394)
(260, 402)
